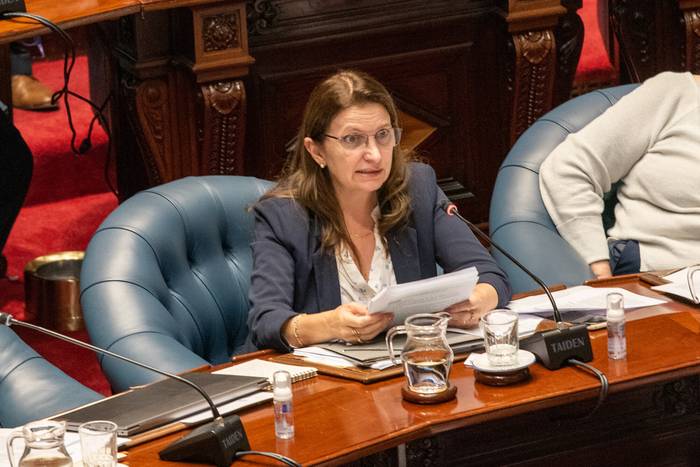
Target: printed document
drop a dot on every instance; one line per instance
(580, 298)
(679, 284)
(426, 295)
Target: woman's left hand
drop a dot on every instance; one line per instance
(466, 314)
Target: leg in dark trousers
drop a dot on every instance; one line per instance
(16, 166)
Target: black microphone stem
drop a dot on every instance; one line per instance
(7, 320)
(451, 209)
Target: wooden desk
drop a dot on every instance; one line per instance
(651, 416)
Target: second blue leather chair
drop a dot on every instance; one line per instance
(165, 277)
(31, 388)
(518, 220)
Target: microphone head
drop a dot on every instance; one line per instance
(449, 207)
(5, 319)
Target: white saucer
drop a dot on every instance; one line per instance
(481, 362)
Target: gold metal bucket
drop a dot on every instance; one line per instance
(52, 291)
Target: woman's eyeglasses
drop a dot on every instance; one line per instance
(386, 137)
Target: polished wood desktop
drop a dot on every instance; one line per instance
(650, 417)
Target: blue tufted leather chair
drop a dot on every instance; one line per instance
(31, 388)
(165, 277)
(518, 220)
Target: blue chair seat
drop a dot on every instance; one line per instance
(31, 388)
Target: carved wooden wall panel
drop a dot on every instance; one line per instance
(219, 87)
(444, 61)
(655, 425)
(655, 36)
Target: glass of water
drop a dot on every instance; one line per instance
(98, 443)
(500, 329)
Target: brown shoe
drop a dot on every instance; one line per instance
(29, 93)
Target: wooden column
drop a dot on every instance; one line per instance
(691, 19)
(180, 102)
(532, 26)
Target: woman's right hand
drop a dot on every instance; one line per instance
(353, 323)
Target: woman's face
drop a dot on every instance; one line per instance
(362, 169)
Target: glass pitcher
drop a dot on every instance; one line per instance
(426, 355)
(43, 445)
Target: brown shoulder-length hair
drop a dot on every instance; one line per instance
(311, 186)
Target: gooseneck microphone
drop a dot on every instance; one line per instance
(218, 442)
(554, 347)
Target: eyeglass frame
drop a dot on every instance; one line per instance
(398, 132)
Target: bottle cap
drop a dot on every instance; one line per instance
(281, 384)
(616, 306)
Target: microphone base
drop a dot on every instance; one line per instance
(216, 443)
(13, 6)
(554, 347)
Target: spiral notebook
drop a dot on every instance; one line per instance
(265, 369)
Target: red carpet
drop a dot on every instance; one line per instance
(68, 198)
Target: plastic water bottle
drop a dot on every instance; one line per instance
(617, 340)
(282, 401)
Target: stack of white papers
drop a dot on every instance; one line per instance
(320, 355)
(679, 285)
(580, 298)
(426, 295)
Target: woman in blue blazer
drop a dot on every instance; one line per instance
(349, 216)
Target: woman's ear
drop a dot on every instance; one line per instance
(315, 150)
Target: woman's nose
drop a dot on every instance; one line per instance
(371, 149)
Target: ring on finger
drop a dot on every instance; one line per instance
(357, 335)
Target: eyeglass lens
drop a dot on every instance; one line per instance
(384, 137)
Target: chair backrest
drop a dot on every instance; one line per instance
(518, 220)
(165, 277)
(31, 388)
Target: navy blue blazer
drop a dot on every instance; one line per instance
(291, 274)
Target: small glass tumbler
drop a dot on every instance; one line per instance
(98, 442)
(500, 329)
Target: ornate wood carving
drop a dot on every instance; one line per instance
(152, 106)
(425, 452)
(262, 14)
(223, 135)
(147, 137)
(679, 398)
(220, 32)
(535, 59)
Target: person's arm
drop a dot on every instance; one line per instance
(576, 175)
